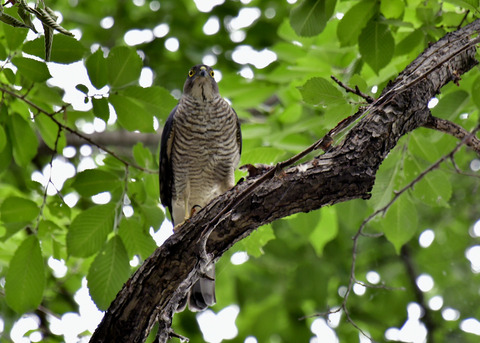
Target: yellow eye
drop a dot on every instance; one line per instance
(212, 73)
(191, 72)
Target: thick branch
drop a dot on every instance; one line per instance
(347, 171)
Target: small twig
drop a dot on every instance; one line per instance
(355, 91)
(44, 201)
(455, 130)
(75, 132)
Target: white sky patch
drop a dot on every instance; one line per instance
(359, 289)
(102, 198)
(161, 30)
(245, 54)
(146, 77)
(246, 17)
(207, 5)
(247, 73)
(220, 326)
(107, 23)
(62, 77)
(155, 6)
(373, 277)
(58, 267)
(21, 327)
(249, 339)
(471, 325)
(270, 13)
(412, 331)
(324, 333)
(435, 303)
(209, 60)
(239, 257)
(450, 314)
(212, 26)
(237, 36)
(69, 152)
(136, 37)
(71, 199)
(339, 15)
(425, 282)
(473, 255)
(138, 3)
(99, 125)
(128, 211)
(476, 228)
(432, 103)
(60, 171)
(475, 165)
(172, 44)
(426, 238)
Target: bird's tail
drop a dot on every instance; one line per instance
(202, 293)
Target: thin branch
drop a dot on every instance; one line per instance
(75, 132)
(355, 91)
(455, 130)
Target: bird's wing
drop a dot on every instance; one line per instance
(166, 171)
(239, 134)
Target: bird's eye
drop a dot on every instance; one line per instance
(191, 72)
(212, 73)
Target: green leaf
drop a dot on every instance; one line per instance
(310, 17)
(89, 230)
(386, 180)
(131, 113)
(137, 241)
(108, 273)
(93, 181)
(49, 132)
(434, 188)
(152, 214)
(476, 92)
(155, 100)
(254, 243)
(3, 139)
(24, 140)
(354, 21)
(472, 5)
(25, 280)
(100, 108)
(96, 66)
(451, 105)
(82, 88)
(15, 36)
(318, 91)
(124, 66)
(410, 42)
(65, 49)
(31, 69)
(376, 44)
(142, 155)
(392, 8)
(15, 209)
(265, 155)
(400, 222)
(325, 230)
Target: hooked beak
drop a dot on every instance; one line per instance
(203, 72)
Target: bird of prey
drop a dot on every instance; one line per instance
(200, 149)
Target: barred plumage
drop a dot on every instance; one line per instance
(201, 146)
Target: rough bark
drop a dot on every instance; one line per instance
(347, 171)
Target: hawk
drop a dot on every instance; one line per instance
(200, 149)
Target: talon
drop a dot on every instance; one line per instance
(194, 210)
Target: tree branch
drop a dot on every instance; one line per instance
(454, 130)
(347, 171)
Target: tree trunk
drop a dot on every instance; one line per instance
(346, 171)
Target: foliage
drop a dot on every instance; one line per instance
(298, 266)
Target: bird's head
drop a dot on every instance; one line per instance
(200, 83)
